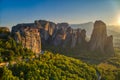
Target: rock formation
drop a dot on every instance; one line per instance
(81, 35)
(68, 38)
(109, 45)
(74, 40)
(99, 40)
(4, 32)
(47, 30)
(60, 34)
(29, 36)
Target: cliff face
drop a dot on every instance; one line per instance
(29, 36)
(78, 38)
(48, 33)
(60, 34)
(98, 37)
(99, 40)
(47, 30)
(109, 45)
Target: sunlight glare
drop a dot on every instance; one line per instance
(119, 20)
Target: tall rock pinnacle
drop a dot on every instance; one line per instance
(99, 40)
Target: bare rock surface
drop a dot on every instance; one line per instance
(29, 36)
(48, 33)
(99, 40)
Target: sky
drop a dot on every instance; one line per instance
(13, 12)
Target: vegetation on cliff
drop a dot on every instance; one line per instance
(10, 50)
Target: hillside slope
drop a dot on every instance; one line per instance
(49, 67)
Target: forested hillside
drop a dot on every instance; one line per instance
(10, 50)
(23, 64)
(19, 63)
(49, 66)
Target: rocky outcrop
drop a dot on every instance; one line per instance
(74, 40)
(109, 45)
(78, 38)
(4, 32)
(99, 40)
(29, 36)
(60, 35)
(81, 35)
(4, 29)
(63, 26)
(47, 33)
(68, 38)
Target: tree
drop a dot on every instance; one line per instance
(7, 75)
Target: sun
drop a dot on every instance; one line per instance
(119, 20)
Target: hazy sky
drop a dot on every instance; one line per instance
(13, 12)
